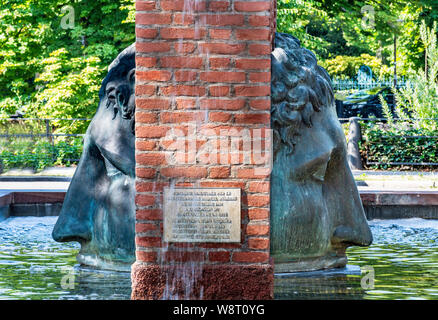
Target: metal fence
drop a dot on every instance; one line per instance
(353, 84)
(35, 142)
(418, 148)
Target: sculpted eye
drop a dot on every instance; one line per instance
(111, 94)
(131, 76)
(319, 172)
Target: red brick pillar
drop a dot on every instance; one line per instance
(202, 116)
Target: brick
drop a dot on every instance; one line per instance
(185, 76)
(145, 117)
(218, 6)
(245, 173)
(180, 5)
(264, 104)
(217, 63)
(146, 33)
(253, 34)
(151, 131)
(145, 227)
(259, 186)
(149, 214)
(223, 184)
(150, 159)
(144, 90)
(148, 242)
(145, 173)
(259, 49)
(260, 77)
(183, 90)
(221, 48)
(252, 118)
(146, 62)
(250, 257)
(223, 76)
(252, 91)
(219, 256)
(184, 256)
(222, 20)
(145, 145)
(219, 172)
(188, 172)
(144, 200)
(152, 104)
(185, 103)
(183, 19)
(257, 229)
(148, 47)
(219, 91)
(222, 104)
(182, 33)
(258, 214)
(144, 5)
(223, 34)
(182, 62)
(178, 117)
(251, 6)
(219, 117)
(219, 245)
(153, 18)
(258, 243)
(184, 47)
(259, 21)
(259, 64)
(148, 186)
(146, 256)
(153, 75)
(256, 201)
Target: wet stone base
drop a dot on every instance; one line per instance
(401, 212)
(207, 282)
(30, 210)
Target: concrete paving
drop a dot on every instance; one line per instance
(58, 179)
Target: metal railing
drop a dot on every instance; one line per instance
(35, 140)
(356, 137)
(353, 84)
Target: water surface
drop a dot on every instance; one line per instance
(404, 257)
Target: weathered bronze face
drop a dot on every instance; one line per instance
(99, 210)
(316, 212)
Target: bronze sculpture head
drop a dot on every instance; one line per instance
(98, 209)
(316, 211)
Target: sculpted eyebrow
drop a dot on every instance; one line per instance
(307, 166)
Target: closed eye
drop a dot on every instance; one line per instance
(319, 172)
(314, 169)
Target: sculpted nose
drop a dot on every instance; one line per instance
(347, 236)
(75, 220)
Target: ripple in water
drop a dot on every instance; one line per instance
(404, 256)
(34, 266)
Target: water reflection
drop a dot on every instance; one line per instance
(34, 266)
(404, 256)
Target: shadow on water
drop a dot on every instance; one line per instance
(404, 257)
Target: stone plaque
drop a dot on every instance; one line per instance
(202, 215)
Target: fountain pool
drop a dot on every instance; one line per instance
(404, 257)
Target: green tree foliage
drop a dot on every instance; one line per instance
(50, 71)
(345, 28)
